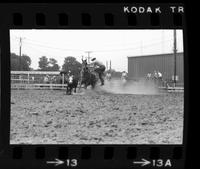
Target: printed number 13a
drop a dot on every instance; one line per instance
(72, 162)
(162, 163)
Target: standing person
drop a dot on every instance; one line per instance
(160, 80)
(149, 76)
(99, 68)
(108, 76)
(124, 75)
(46, 79)
(155, 77)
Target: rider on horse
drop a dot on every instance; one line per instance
(99, 69)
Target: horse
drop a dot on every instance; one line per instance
(87, 77)
(72, 83)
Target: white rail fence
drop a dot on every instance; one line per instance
(39, 86)
(37, 80)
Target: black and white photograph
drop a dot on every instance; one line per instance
(92, 86)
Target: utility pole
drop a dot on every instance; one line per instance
(106, 65)
(20, 46)
(175, 51)
(20, 53)
(88, 52)
(110, 64)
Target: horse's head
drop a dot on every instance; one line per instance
(85, 72)
(84, 63)
(84, 66)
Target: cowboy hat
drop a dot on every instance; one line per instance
(93, 59)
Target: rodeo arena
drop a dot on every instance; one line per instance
(158, 69)
(144, 105)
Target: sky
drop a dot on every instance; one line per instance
(105, 45)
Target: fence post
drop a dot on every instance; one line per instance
(63, 79)
(28, 78)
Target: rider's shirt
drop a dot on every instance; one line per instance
(97, 64)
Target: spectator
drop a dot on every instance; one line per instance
(108, 76)
(124, 75)
(46, 79)
(160, 80)
(149, 76)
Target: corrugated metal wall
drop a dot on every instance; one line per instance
(139, 66)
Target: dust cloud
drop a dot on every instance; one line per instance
(130, 87)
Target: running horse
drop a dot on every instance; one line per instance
(86, 76)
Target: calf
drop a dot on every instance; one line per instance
(72, 83)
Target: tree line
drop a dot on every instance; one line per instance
(22, 63)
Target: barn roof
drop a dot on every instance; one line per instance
(164, 54)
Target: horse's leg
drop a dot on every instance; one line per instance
(86, 85)
(75, 89)
(70, 90)
(79, 85)
(93, 81)
(67, 91)
(93, 85)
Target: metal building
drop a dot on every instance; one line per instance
(139, 66)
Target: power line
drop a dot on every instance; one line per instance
(51, 47)
(78, 50)
(136, 42)
(111, 50)
(36, 49)
(98, 51)
(108, 44)
(44, 53)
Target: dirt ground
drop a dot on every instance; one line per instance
(52, 117)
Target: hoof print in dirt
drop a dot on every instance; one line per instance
(35, 113)
(144, 123)
(49, 122)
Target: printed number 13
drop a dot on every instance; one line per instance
(71, 162)
(158, 163)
